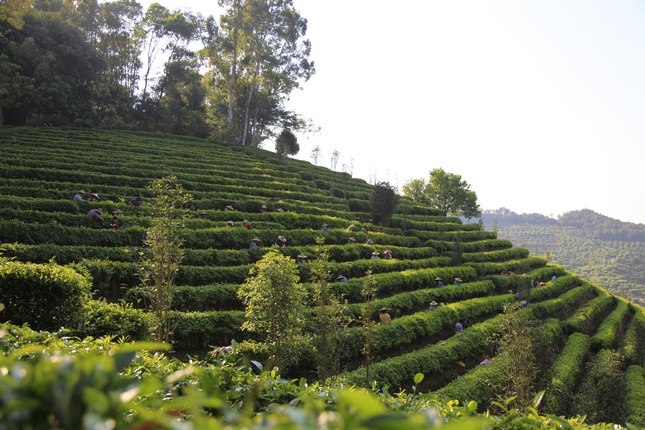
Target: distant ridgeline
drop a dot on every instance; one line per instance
(608, 252)
(41, 170)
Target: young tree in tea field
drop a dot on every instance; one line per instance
(164, 252)
(328, 318)
(275, 302)
(287, 144)
(370, 326)
(383, 202)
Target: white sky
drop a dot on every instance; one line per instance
(538, 104)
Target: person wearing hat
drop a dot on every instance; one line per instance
(438, 282)
(384, 316)
(301, 258)
(79, 196)
(387, 254)
(263, 209)
(325, 227)
(457, 282)
(229, 224)
(94, 197)
(246, 224)
(351, 228)
(433, 305)
(342, 278)
(254, 243)
(369, 242)
(229, 208)
(114, 223)
(375, 255)
(280, 242)
(351, 241)
(203, 215)
(135, 202)
(95, 213)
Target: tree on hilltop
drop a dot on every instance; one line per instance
(444, 191)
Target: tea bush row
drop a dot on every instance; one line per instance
(566, 373)
(611, 329)
(483, 383)
(588, 316)
(633, 346)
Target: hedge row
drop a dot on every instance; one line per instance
(45, 296)
(612, 327)
(433, 360)
(483, 383)
(635, 396)
(566, 373)
(200, 298)
(633, 346)
(563, 304)
(587, 317)
(422, 326)
(202, 330)
(390, 284)
(414, 301)
(521, 266)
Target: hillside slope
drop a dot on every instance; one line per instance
(42, 169)
(608, 252)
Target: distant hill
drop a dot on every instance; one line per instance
(607, 251)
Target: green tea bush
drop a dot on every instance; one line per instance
(611, 329)
(567, 371)
(633, 345)
(635, 396)
(201, 330)
(587, 317)
(116, 320)
(45, 296)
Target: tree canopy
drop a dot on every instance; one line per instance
(444, 191)
(96, 63)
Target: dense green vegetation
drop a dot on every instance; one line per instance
(606, 251)
(220, 345)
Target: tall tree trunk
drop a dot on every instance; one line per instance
(246, 115)
(231, 84)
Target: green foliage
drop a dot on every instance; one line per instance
(567, 371)
(633, 346)
(446, 192)
(601, 395)
(610, 331)
(45, 296)
(164, 253)
(274, 301)
(116, 320)
(383, 202)
(287, 143)
(635, 396)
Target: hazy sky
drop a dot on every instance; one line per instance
(538, 104)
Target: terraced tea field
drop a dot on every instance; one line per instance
(42, 170)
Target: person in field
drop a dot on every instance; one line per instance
(255, 243)
(79, 196)
(96, 214)
(384, 316)
(280, 242)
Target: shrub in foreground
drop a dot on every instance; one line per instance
(45, 296)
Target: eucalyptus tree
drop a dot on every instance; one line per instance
(258, 56)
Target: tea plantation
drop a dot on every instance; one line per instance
(52, 251)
